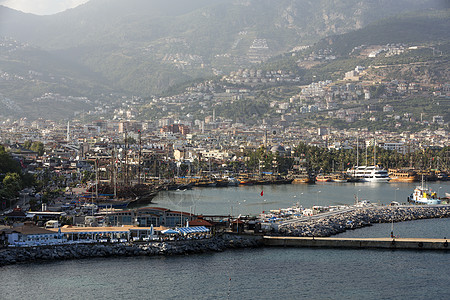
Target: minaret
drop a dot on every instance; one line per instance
(68, 131)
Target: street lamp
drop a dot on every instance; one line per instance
(318, 197)
(438, 191)
(357, 196)
(396, 194)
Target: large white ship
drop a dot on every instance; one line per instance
(369, 174)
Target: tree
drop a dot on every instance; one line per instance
(12, 184)
(27, 144)
(37, 147)
(7, 163)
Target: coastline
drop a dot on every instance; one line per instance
(322, 227)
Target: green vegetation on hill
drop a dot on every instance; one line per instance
(412, 28)
(156, 47)
(11, 178)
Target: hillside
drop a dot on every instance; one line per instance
(148, 47)
(412, 29)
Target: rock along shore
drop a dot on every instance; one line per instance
(76, 251)
(362, 217)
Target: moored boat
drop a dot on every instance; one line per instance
(423, 195)
(369, 174)
(302, 179)
(400, 175)
(323, 178)
(339, 177)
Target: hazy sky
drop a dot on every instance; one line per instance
(42, 7)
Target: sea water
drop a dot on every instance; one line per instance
(264, 273)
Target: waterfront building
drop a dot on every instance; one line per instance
(148, 216)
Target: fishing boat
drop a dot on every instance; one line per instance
(423, 195)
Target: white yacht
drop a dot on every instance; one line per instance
(369, 174)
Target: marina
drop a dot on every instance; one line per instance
(280, 270)
(153, 262)
(247, 200)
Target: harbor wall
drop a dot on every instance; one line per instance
(380, 243)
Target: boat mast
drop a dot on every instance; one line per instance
(357, 151)
(374, 152)
(96, 186)
(366, 153)
(126, 158)
(139, 159)
(114, 173)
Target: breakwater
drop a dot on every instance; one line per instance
(362, 243)
(76, 251)
(361, 217)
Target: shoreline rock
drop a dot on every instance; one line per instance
(360, 218)
(10, 256)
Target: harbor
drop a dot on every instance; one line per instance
(369, 234)
(29, 243)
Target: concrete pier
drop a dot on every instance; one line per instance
(359, 243)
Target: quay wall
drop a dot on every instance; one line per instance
(379, 243)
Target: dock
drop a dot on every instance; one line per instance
(358, 243)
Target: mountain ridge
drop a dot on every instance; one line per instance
(147, 53)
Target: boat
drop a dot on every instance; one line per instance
(369, 174)
(301, 175)
(402, 175)
(278, 179)
(423, 195)
(427, 175)
(442, 176)
(301, 178)
(205, 182)
(222, 182)
(339, 177)
(232, 181)
(139, 193)
(108, 201)
(245, 179)
(323, 178)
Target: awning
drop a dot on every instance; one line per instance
(195, 229)
(169, 231)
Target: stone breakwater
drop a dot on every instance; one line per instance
(362, 217)
(76, 251)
